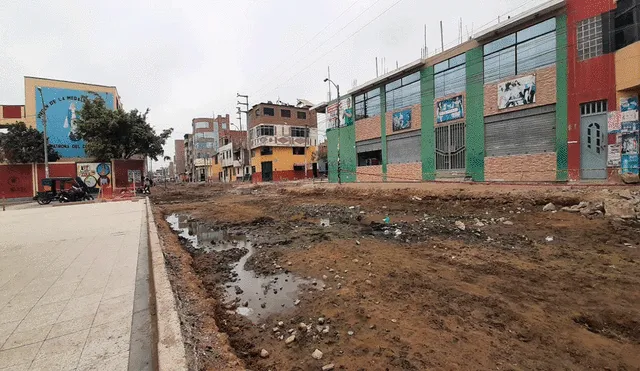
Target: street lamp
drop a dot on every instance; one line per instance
(338, 90)
(44, 133)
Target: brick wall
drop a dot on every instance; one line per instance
(368, 128)
(520, 168)
(369, 173)
(545, 91)
(411, 172)
(464, 108)
(416, 120)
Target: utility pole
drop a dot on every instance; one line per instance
(246, 108)
(44, 133)
(441, 38)
(338, 92)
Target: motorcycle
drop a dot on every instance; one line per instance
(79, 192)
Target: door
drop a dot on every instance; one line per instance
(314, 167)
(267, 171)
(593, 140)
(450, 147)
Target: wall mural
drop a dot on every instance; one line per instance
(629, 134)
(61, 107)
(402, 120)
(517, 92)
(95, 175)
(346, 114)
(450, 109)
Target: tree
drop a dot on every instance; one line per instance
(116, 134)
(24, 145)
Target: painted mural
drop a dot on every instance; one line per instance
(346, 114)
(95, 174)
(450, 109)
(402, 120)
(517, 92)
(61, 107)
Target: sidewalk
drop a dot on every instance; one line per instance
(72, 285)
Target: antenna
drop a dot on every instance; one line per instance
(376, 67)
(441, 38)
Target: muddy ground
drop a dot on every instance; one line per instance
(515, 288)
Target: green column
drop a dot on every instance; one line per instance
(383, 131)
(332, 154)
(427, 147)
(475, 114)
(562, 151)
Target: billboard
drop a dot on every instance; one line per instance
(517, 92)
(450, 109)
(95, 174)
(402, 120)
(346, 114)
(61, 107)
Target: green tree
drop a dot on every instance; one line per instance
(24, 145)
(116, 134)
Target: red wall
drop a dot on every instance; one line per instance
(279, 176)
(56, 170)
(16, 181)
(121, 171)
(12, 112)
(590, 80)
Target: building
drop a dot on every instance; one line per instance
(282, 140)
(548, 95)
(189, 159)
(179, 160)
(206, 140)
(10, 114)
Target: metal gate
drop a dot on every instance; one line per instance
(450, 147)
(593, 140)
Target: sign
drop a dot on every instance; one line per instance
(450, 109)
(95, 175)
(61, 109)
(402, 120)
(613, 155)
(614, 121)
(346, 113)
(629, 109)
(517, 92)
(134, 176)
(629, 139)
(629, 164)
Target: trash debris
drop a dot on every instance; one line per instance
(460, 225)
(549, 207)
(549, 239)
(386, 220)
(325, 223)
(290, 339)
(263, 353)
(328, 367)
(416, 198)
(317, 354)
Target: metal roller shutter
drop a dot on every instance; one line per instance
(369, 145)
(403, 148)
(521, 132)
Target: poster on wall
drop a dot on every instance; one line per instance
(629, 164)
(402, 120)
(613, 155)
(629, 109)
(346, 114)
(613, 122)
(517, 92)
(450, 109)
(61, 107)
(95, 174)
(134, 176)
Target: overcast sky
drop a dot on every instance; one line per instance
(185, 59)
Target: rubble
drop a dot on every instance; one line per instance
(264, 353)
(549, 207)
(317, 354)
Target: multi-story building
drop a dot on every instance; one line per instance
(206, 140)
(189, 159)
(179, 160)
(10, 114)
(282, 139)
(548, 95)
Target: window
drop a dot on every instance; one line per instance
(266, 151)
(450, 76)
(627, 23)
(295, 167)
(265, 130)
(404, 92)
(224, 126)
(301, 116)
(370, 158)
(253, 153)
(524, 51)
(283, 113)
(216, 158)
(298, 132)
(268, 111)
(198, 136)
(296, 150)
(199, 125)
(208, 134)
(368, 104)
(253, 168)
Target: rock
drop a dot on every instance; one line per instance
(325, 330)
(238, 290)
(302, 326)
(460, 225)
(264, 353)
(280, 324)
(276, 329)
(350, 207)
(478, 223)
(619, 209)
(372, 327)
(320, 320)
(572, 209)
(245, 304)
(549, 239)
(288, 263)
(507, 222)
(368, 282)
(324, 276)
(317, 354)
(626, 194)
(328, 367)
(319, 328)
(290, 339)
(350, 333)
(354, 260)
(339, 285)
(549, 207)
(357, 242)
(394, 320)
(397, 232)
(263, 305)
(583, 204)
(296, 302)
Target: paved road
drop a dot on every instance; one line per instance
(68, 285)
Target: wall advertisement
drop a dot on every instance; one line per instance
(402, 120)
(61, 107)
(450, 109)
(629, 139)
(346, 114)
(517, 92)
(629, 109)
(95, 174)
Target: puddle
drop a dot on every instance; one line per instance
(263, 295)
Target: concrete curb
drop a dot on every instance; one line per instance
(171, 353)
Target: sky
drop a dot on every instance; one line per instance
(189, 58)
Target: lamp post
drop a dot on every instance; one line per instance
(338, 91)
(44, 133)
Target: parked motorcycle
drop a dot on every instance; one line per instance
(77, 192)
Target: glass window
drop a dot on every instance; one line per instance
(590, 38)
(301, 116)
(536, 30)
(368, 104)
(296, 150)
(268, 111)
(299, 132)
(500, 65)
(208, 134)
(266, 151)
(457, 60)
(442, 66)
(453, 79)
(198, 136)
(283, 113)
(199, 125)
(265, 130)
(536, 53)
(494, 46)
(404, 92)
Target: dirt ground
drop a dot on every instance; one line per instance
(514, 288)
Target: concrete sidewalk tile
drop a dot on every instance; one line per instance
(18, 356)
(61, 353)
(114, 309)
(71, 326)
(42, 315)
(20, 367)
(20, 338)
(105, 341)
(6, 329)
(119, 362)
(12, 315)
(113, 292)
(78, 311)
